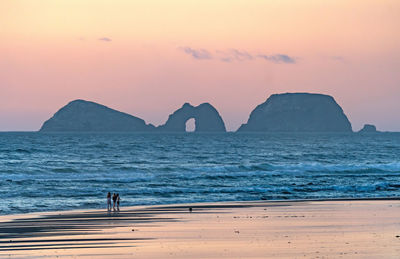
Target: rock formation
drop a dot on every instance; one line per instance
(297, 112)
(207, 119)
(368, 128)
(80, 115)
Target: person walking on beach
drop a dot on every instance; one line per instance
(108, 201)
(117, 201)
(114, 198)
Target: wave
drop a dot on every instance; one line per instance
(21, 150)
(318, 167)
(64, 170)
(98, 145)
(233, 168)
(294, 168)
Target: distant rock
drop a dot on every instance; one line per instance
(368, 128)
(85, 116)
(297, 112)
(207, 119)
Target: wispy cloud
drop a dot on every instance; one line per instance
(241, 55)
(236, 55)
(105, 39)
(278, 58)
(197, 53)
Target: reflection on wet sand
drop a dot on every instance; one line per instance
(349, 228)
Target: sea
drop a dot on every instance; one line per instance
(64, 171)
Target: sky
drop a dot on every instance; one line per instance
(149, 57)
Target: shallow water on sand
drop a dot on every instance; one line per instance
(42, 172)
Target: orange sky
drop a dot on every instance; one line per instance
(149, 57)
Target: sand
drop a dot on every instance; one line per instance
(293, 229)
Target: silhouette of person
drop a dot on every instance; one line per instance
(118, 201)
(108, 201)
(114, 198)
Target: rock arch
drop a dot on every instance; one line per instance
(207, 119)
(190, 125)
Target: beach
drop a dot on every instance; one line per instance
(261, 229)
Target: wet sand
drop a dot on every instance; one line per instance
(293, 229)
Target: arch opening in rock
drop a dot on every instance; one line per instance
(190, 125)
(204, 117)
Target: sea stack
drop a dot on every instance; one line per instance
(368, 128)
(85, 116)
(207, 119)
(297, 112)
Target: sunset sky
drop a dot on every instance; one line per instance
(149, 57)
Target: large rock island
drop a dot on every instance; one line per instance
(297, 112)
(207, 119)
(85, 116)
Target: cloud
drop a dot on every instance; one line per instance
(232, 55)
(197, 53)
(105, 39)
(241, 55)
(278, 58)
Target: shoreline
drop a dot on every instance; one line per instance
(352, 228)
(194, 203)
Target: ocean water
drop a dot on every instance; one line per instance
(45, 172)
